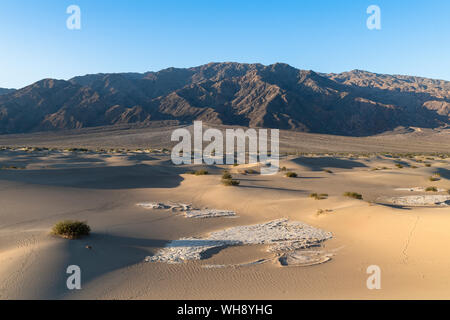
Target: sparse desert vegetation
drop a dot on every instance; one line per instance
(353, 195)
(319, 196)
(291, 174)
(71, 229)
(201, 172)
(230, 182)
(227, 179)
(323, 211)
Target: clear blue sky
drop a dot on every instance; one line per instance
(139, 36)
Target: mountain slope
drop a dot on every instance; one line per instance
(5, 91)
(355, 103)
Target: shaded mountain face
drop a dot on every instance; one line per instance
(276, 96)
(5, 91)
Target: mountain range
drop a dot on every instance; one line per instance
(355, 103)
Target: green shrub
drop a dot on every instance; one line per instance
(201, 172)
(327, 171)
(317, 196)
(431, 189)
(322, 211)
(230, 182)
(354, 195)
(291, 174)
(70, 229)
(398, 165)
(226, 176)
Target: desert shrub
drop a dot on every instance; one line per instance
(283, 169)
(323, 211)
(321, 196)
(230, 182)
(291, 174)
(70, 229)
(201, 172)
(227, 179)
(431, 189)
(327, 171)
(226, 176)
(399, 165)
(428, 165)
(354, 195)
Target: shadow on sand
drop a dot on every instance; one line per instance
(119, 177)
(321, 163)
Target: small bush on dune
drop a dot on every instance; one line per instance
(201, 172)
(322, 211)
(248, 171)
(230, 182)
(316, 196)
(431, 189)
(226, 175)
(70, 229)
(291, 174)
(353, 195)
(227, 179)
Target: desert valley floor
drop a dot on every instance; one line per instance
(398, 226)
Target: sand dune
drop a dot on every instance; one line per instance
(406, 242)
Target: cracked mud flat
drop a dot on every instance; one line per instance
(421, 200)
(189, 211)
(283, 237)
